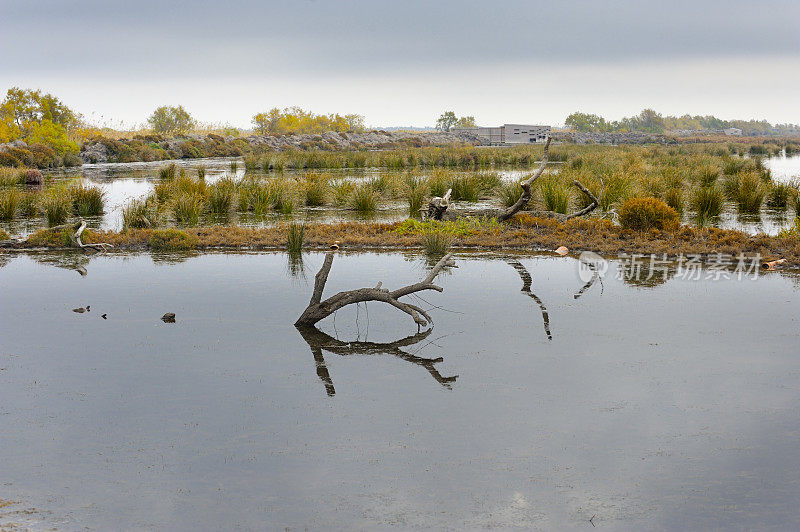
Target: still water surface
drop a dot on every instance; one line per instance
(673, 406)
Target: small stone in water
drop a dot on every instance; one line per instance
(79, 310)
(169, 317)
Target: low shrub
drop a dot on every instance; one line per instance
(641, 214)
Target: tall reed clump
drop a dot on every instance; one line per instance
(555, 195)
(283, 196)
(466, 188)
(364, 199)
(707, 202)
(29, 204)
(674, 198)
(295, 234)
(187, 208)
(87, 200)
(11, 176)
(439, 183)
(314, 190)
(342, 191)
(9, 200)
(416, 191)
(201, 172)
(509, 193)
(56, 204)
(780, 195)
(436, 243)
(747, 190)
(168, 172)
(221, 195)
(139, 214)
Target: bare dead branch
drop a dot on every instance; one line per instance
(318, 309)
(525, 198)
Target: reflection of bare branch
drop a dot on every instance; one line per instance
(319, 341)
(588, 285)
(527, 280)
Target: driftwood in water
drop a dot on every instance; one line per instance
(78, 227)
(318, 341)
(438, 207)
(318, 309)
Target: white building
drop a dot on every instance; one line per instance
(733, 132)
(508, 133)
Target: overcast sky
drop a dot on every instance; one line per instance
(403, 62)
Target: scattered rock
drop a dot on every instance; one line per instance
(169, 317)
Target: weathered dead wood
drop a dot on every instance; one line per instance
(438, 207)
(527, 281)
(78, 227)
(318, 341)
(318, 309)
(76, 239)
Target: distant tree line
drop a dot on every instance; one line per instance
(449, 120)
(650, 121)
(296, 120)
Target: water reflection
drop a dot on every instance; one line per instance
(319, 341)
(527, 281)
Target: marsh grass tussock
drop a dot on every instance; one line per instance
(295, 234)
(436, 243)
(364, 199)
(168, 172)
(780, 195)
(87, 200)
(416, 193)
(56, 204)
(139, 214)
(509, 193)
(187, 208)
(554, 194)
(315, 190)
(221, 196)
(9, 200)
(707, 202)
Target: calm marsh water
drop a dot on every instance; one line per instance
(672, 406)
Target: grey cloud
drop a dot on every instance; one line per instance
(360, 37)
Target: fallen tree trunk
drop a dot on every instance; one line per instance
(318, 309)
(438, 207)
